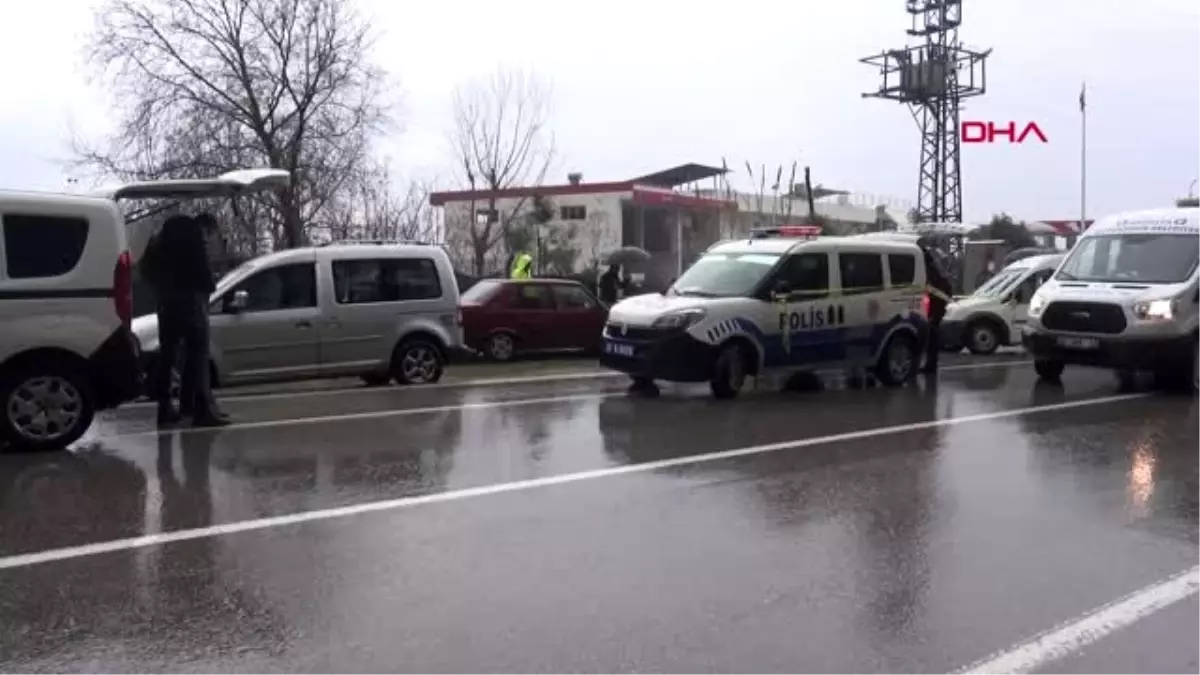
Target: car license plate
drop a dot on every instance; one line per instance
(1078, 343)
(619, 349)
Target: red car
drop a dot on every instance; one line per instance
(505, 317)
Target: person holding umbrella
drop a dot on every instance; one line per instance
(610, 285)
(617, 280)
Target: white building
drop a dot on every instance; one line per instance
(669, 213)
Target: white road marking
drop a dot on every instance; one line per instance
(494, 381)
(1078, 633)
(363, 389)
(321, 419)
(67, 553)
(376, 414)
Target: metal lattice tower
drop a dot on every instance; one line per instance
(933, 78)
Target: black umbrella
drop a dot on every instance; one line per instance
(627, 255)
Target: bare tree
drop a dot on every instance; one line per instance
(371, 207)
(502, 140)
(206, 86)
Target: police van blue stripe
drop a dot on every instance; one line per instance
(818, 345)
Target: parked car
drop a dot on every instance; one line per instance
(66, 301)
(379, 311)
(503, 318)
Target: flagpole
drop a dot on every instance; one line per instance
(1083, 157)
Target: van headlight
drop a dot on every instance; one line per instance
(679, 320)
(1036, 305)
(1154, 310)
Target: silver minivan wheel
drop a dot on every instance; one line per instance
(417, 361)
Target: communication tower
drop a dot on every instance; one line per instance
(933, 78)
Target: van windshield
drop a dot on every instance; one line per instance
(724, 275)
(1000, 284)
(1132, 258)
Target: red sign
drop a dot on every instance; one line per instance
(646, 195)
(988, 132)
(799, 230)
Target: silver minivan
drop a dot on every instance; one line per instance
(379, 311)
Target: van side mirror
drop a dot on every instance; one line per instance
(238, 302)
(781, 287)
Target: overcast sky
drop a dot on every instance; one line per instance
(639, 86)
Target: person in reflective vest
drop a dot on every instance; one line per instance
(522, 267)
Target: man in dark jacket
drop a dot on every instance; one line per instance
(183, 282)
(939, 291)
(610, 285)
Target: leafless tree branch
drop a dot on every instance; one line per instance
(501, 139)
(207, 86)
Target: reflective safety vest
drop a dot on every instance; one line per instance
(522, 267)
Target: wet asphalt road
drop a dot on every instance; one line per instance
(922, 548)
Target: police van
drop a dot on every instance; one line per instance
(1125, 298)
(779, 302)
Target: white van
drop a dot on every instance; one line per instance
(994, 314)
(66, 295)
(776, 305)
(376, 310)
(1126, 298)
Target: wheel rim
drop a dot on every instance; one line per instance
(899, 360)
(502, 347)
(983, 338)
(44, 408)
(419, 364)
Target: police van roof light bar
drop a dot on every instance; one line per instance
(787, 231)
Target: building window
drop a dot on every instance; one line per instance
(572, 213)
(42, 246)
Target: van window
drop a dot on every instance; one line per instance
(903, 268)
(42, 246)
(806, 274)
(861, 272)
(285, 287)
(357, 282)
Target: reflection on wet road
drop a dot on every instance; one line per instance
(565, 526)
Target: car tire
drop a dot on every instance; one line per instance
(417, 361)
(501, 347)
(1049, 369)
(897, 362)
(982, 338)
(63, 388)
(729, 372)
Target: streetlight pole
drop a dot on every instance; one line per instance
(1192, 188)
